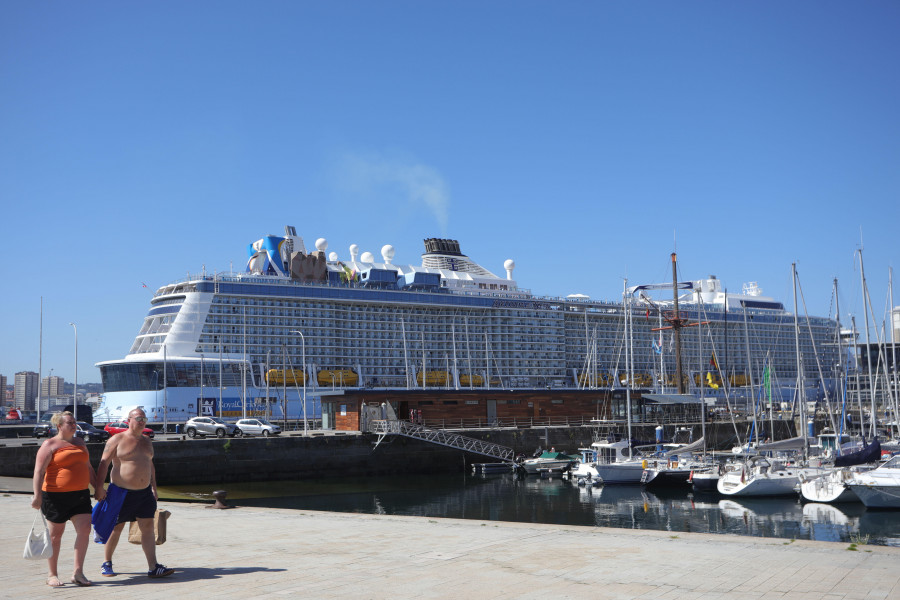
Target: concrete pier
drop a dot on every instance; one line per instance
(256, 552)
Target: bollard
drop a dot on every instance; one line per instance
(219, 495)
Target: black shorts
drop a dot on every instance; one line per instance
(138, 504)
(59, 507)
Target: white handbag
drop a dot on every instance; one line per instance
(37, 544)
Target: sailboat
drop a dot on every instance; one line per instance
(879, 488)
(764, 476)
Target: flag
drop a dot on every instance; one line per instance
(143, 284)
(656, 347)
(710, 382)
(713, 362)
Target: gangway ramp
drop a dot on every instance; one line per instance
(385, 428)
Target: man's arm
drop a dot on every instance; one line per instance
(109, 452)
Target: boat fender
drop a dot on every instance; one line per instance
(644, 464)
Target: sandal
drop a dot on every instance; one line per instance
(54, 582)
(81, 581)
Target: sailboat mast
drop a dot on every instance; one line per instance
(896, 390)
(629, 367)
(677, 327)
(750, 372)
(865, 293)
(800, 394)
(840, 366)
(700, 355)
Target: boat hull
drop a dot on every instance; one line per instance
(668, 477)
(829, 488)
(877, 496)
(778, 483)
(620, 472)
(705, 481)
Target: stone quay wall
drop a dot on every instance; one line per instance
(321, 455)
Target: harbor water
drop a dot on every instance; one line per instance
(506, 497)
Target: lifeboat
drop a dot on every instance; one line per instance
(476, 380)
(433, 378)
(738, 380)
(338, 377)
(594, 379)
(285, 376)
(640, 379)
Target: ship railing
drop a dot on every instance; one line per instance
(386, 428)
(274, 280)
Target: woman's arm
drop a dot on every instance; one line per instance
(44, 454)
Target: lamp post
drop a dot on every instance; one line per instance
(303, 350)
(155, 389)
(268, 357)
(75, 385)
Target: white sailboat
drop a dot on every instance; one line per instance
(763, 476)
(879, 488)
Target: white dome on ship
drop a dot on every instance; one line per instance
(321, 244)
(387, 253)
(367, 257)
(333, 257)
(509, 265)
(354, 252)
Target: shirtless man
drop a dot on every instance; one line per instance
(131, 454)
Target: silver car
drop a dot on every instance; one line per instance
(258, 427)
(204, 426)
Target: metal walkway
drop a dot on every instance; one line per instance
(385, 428)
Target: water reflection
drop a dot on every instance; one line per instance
(504, 497)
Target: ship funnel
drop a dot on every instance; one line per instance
(509, 265)
(354, 252)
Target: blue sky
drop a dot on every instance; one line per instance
(140, 141)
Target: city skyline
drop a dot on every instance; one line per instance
(140, 143)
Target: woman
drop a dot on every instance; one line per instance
(62, 473)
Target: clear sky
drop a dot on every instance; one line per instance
(140, 141)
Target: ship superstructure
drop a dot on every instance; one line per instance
(303, 324)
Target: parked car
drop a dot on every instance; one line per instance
(91, 433)
(84, 430)
(258, 427)
(120, 426)
(204, 426)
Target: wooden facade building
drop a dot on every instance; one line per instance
(457, 408)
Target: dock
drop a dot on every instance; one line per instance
(260, 552)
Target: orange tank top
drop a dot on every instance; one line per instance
(69, 470)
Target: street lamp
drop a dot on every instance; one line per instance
(303, 349)
(75, 385)
(155, 390)
(268, 357)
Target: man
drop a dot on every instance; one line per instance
(131, 455)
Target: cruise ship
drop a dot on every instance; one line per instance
(298, 325)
